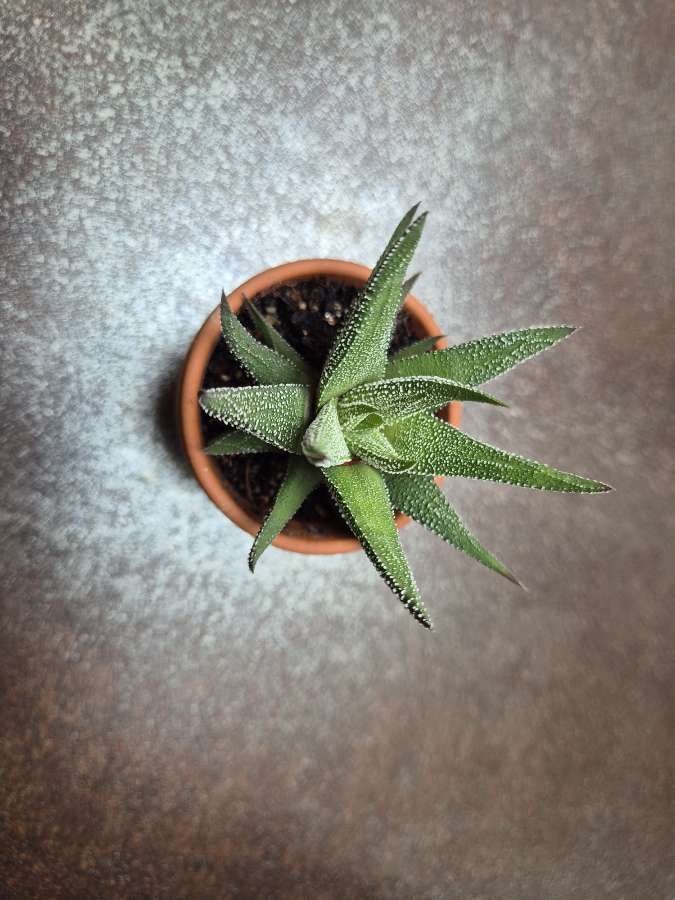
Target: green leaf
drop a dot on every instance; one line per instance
(360, 420)
(421, 346)
(359, 352)
(478, 361)
(275, 413)
(421, 498)
(371, 445)
(395, 399)
(323, 443)
(277, 342)
(399, 231)
(262, 363)
(408, 285)
(300, 481)
(234, 442)
(363, 500)
(432, 447)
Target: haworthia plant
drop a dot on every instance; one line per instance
(367, 424)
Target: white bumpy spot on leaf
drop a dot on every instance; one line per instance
(436, 448)
(235, 442)
(275, 413)
(263, 364)
(323, 443)
(395, 399)
(373, 446)
(416, 348)
(279, 343)
(476, 362)
(363, 500)
(421, 498)
(300, 481)
(359, 353)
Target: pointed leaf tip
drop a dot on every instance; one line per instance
(234, 442)
(421, 498)
(277, 342)
(363, 500)
(359, 352)
(264, 365)
(298, 484)
(436, 448)
(518, 583)
(408, 285)
(480, 360)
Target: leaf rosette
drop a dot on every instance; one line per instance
(367, 424)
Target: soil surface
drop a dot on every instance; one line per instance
(308, 314)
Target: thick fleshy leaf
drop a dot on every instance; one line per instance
(432, 447)
(359, 420)
(323, 443)
(371, 444)
(398, 233)
(262, 363)
(359, 352)
(478, 361)
(424, 345)
(421, 498)
(363, 500)
(408, 285)
(395, 399)
(277, 342)
(236, 442)
(275, 413)
(300, 481)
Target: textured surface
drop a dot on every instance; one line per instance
(171, 727)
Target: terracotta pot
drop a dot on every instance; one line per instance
(294, 537)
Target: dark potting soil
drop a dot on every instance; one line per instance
(308, 314)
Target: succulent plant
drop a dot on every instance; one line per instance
(367, 423)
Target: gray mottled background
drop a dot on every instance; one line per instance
(171, 727)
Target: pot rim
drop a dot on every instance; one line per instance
(205, 467)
